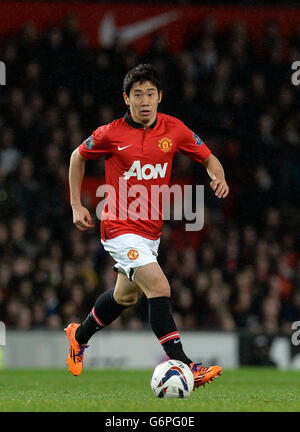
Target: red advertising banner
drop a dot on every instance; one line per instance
(135, 24)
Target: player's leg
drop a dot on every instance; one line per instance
(126, 292)
(107, 308)
(155, 285)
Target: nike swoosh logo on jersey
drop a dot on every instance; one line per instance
(176, 340)
(123, 148)
(129, 33)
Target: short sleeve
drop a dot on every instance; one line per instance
(191, 145)
(97, 145)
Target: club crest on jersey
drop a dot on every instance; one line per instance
(197, 139)
(89, 142)
(133, 254)
(165, 144)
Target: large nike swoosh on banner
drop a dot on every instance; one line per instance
(129, 33)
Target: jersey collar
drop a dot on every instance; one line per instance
(136, 125)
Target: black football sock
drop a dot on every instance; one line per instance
(164, 327)
(105, 311)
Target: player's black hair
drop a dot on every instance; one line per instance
(141, 73)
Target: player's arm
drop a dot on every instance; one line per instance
(191, 145)
(81, 216)
(216, 173)
(95, 146)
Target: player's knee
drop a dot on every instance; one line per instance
(127, 299)
(160, 288)
(152, 281)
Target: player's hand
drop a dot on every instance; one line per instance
(82, 218)
(220, 188)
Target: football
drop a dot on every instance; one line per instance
(172, 379)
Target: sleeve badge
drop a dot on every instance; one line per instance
(89, 143)
(197, 139)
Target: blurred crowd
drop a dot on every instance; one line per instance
(242, 270)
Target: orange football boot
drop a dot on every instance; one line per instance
(76, 353)
(204, 374)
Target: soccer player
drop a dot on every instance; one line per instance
(138, 151)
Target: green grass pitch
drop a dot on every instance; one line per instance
(240, 390)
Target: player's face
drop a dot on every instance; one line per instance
(143, 101)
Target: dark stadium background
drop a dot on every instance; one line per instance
(233, 87)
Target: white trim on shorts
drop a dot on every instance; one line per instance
(131, 251)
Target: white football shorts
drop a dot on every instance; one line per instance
(131, 251)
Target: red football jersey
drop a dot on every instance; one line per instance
(136, 164)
